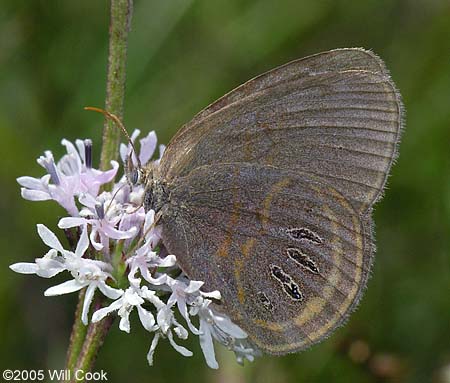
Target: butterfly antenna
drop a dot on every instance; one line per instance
(113, 197)
(119, 124)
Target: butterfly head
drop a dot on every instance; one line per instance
(155, 195)
(135, 173)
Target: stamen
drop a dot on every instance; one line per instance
(49, 164)
(88, 153)
(100, 210)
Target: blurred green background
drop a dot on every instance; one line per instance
(183, 54)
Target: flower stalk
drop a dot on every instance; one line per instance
(85, 343)
(77, 336)
(95, 335)
(121, 13)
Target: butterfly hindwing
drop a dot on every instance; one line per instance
(288, 252)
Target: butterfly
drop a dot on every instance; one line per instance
(267, 194)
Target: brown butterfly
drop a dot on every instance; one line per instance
(266, 195)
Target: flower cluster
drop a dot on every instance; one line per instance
(116, 254)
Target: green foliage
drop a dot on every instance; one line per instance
(183, 54)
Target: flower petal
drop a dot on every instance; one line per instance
(182, 350)
(70, 148)
(24, 268)
(88, 297)
(135, 134)
(133, 298)
(49, 238)
(68, 222)
(129, 149)
(93, 178)
(123, 151)
(124, 323)
(64, 196)
(109, 291)
(113, 233)
(151, 352)
(182, 307)
(48, 268)
(151, 296)
(149, 219)
(103, 312)
(88, 200)
(64, 288)
(93, 237)
(147, 319)
(207, 346)
(193, 287)
(154, 281)
(30, 183)
(225, 324)
(168, 261)
(83, 243)
(148, 146)
(35, 195)
(81, 149)
(162, 149)
(181, 332)
(212, 294)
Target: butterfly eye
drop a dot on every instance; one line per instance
(135, 176)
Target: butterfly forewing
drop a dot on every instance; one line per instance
(336, 115)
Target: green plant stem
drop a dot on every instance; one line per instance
(78, 334)
(121, 12)
(86, 341)
(95, 336)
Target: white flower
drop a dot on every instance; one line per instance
(72, 175)
(86, 272)
(144, 261)
(221, 328)
(145, 258)
(78, 164)
(165, 321)
(50, 264)
(130, 298)
(103, 214)
(47, 266)
(185, 293)
(244, 350)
